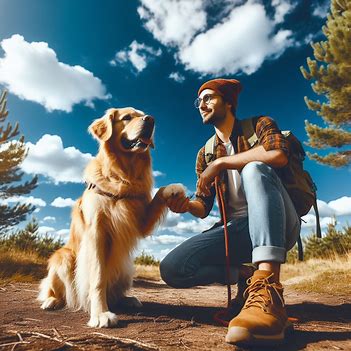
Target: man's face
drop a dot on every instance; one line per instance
(213, 108)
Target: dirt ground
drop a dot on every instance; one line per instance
(170, 320)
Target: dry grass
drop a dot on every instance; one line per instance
(16, 265)
(331, 276)
(147, 272)
(20, 266)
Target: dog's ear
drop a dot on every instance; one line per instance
(101, 128)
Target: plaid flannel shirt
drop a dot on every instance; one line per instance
(269, 136)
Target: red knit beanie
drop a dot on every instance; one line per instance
(229, 89)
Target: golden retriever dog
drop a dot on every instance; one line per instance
(94, 270)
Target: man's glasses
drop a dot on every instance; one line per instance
(206, 99)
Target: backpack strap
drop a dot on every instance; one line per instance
(210, 149)
(251, 136)
(315, 207)
(249, 131)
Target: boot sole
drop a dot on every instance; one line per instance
(242, 336)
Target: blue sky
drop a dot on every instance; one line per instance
(65, 62)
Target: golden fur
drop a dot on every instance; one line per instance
(94, 269)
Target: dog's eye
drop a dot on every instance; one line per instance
(126, 118)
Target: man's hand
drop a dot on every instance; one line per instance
(207, 177)
(178, 203)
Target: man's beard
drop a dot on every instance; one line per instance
(214, 117)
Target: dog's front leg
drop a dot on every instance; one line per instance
(156, 209)
(100, 316)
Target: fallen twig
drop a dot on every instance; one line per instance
(130, 342)
(51, 338)
(14, 343)
(57, 333)
(182, 343)
(33, 319)
(36, 291)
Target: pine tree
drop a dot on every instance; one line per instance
(332, 78)
(12, 154)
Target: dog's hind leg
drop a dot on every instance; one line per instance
(57, 288)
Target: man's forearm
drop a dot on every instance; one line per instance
(197, 209)
(274, 158)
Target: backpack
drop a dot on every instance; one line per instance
(297, 181)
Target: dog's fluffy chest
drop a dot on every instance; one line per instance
(121, 215)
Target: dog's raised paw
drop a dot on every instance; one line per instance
(52, 303)
(103, 320)
(173, 190)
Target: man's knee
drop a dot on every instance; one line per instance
(254, 170)
(168, 273)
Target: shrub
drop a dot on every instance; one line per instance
(29, 240)
(145, 259)
(335, 243)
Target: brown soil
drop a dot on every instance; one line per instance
(170, 320)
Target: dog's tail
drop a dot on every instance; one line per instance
(58, 285)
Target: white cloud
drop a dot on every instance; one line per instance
(61, 202)
(309, 221)
(173, 22)
(282, 8)
(24, 200)
(49, 219)
(179, 225)
(341, 206)
(45, 230)
(63, 234)
(33, 72)
(49, 158)
(177, 77)
(321, 10)
(172, 219)
(158, 173)
(245, 37)
(338, 207)
(164, 252)
(223, 50)
(168, 239)
(328, 212)
(138, 54)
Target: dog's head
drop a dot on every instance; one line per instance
(126, 129)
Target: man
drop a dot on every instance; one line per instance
(263, 223)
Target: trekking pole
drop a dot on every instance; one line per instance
(220, 314)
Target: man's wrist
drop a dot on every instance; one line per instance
(220, 164)
(196, 208)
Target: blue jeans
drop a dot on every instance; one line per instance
(270, 229)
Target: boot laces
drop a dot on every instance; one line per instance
(259, 293)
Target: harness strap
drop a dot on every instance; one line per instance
(91, 186)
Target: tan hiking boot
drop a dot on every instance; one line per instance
(237, 303)
(263, 319)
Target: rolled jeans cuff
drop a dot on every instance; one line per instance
(268, 254)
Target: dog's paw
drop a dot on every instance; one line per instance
(103, 320)
(173, 190)
(52, 303)
(131, 301)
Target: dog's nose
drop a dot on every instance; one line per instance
(148, 118)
